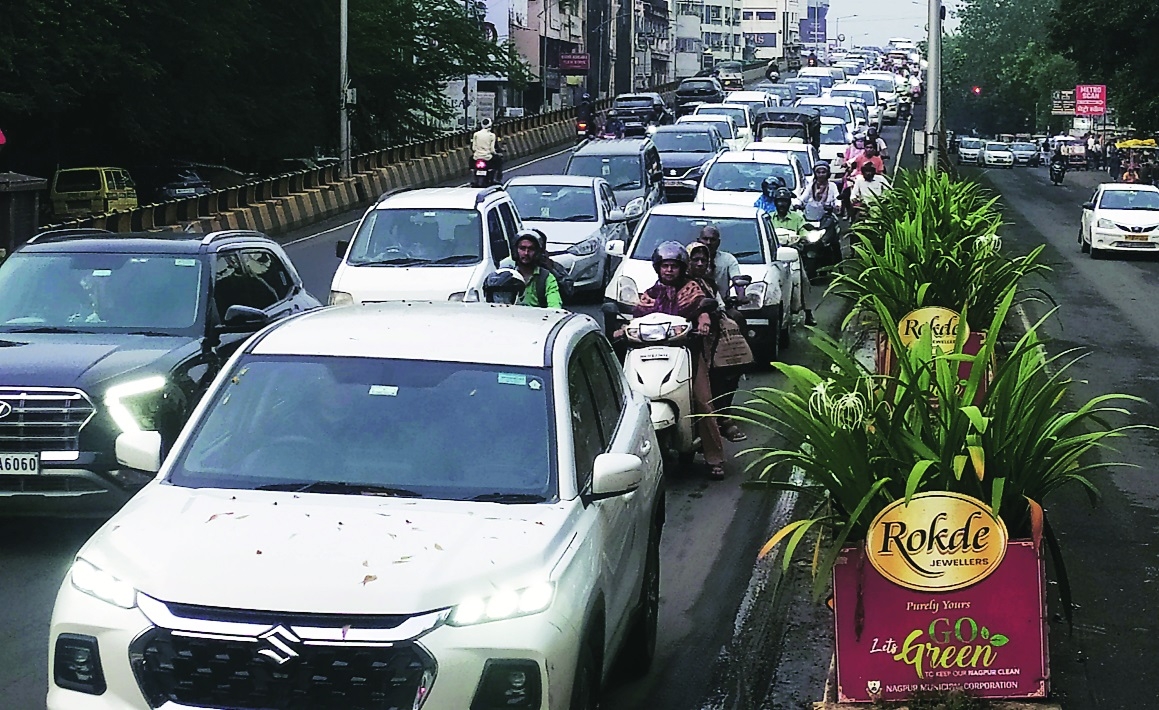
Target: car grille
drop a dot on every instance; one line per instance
(260, 674)
(1137, 230)
(42, 419)
(678, 173)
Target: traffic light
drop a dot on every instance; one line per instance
(977, 91)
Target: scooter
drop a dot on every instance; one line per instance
(789, 238)
(1057, 172)
(483, 174)
(585, 130)
(658, 365)
(822, 244)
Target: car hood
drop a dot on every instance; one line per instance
(683, 161)
(626, 195)
(1128, 218)
(372, 284)
(78, 360)
(727, 197)
(325, 553)
(561, 235)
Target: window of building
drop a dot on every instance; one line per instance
(747, 15)
(770, 15)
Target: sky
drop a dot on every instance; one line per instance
(878, 20)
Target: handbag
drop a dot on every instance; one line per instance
(731, 349)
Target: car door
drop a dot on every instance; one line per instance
(1088, 216)
(264, 266)
(499, 243)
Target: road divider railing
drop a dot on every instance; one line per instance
(282, 203)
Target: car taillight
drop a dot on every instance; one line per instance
(480, 164)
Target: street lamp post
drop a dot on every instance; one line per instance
(934, 86)
(838, 23)
(343, 90)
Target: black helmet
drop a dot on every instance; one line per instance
(504, 286)
(669, 251)
(534, 235)
(771, 184)
(587, 96)
(872, 132)
(783, 194)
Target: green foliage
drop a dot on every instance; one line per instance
(1002, 47)
(1114, 40)
(234, 81)
(932, 241)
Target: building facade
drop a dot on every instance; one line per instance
(769, 27)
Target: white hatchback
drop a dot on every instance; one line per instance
(735, 178)
(741, 114)
(725, 126)
(1120, 217)
(437, 506)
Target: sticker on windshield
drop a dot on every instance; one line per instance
(383, 391)
(510, 378)
(102, 272)
(605, 169)
(545, 212)
(185, 262)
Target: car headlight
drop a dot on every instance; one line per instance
(98, 583)
(1105, 224)
(584, 248)
(626, 291)
(341, 298)
(754, 296)
(507, 604)
(635, 207)
(133, 405)
(814, 235)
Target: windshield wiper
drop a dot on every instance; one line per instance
(150, 333)
(626, 185)
(509, 498)
(739, 254)
(341, 487)
(458, 259)
(579, 218)
(47, 329)
(396, 261)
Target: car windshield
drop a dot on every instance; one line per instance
(998, 147)
(970, 143)
(739, 115)
(633, 102)
(417, 237)
(739, 237)
(825, 80)
(1024, 147)
(730, 67)
(555, 203)
(623, 172)
(841, 112)
(808, 88)
(682, 141)
(746, 176)
(785, 92)
(724, 128)
(1130, 200)
(883, 85)
(697, 86)
(369, 426)
(865, 96)
(105, 292)
(834, 134)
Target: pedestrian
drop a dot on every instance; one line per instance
(1115, 162)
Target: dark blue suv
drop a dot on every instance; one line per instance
(102, 333)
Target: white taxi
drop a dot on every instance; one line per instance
(1120, 217)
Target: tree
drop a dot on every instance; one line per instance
(1114, 40)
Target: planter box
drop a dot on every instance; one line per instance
(886, 362)
(988, 639)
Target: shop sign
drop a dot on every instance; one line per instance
(942, 321)
(574, 62)
(1090, 100)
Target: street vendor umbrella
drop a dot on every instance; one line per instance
(1148, 144)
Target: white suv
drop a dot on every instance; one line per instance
(436, 243)
(438, 506)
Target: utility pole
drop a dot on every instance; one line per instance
(934, 87)
(344, 86)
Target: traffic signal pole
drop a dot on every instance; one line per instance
(934, 86)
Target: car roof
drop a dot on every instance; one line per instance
(704, 118)
(483, 333)
(740, 94)
(637, 96)
(83, 241)
(823, 101)
(831, 121)
(686, 127)
(574, 180)
(783, 146)
(451, 198)
(615, 146)
(749, 156)
(1125, 187)
(852, 85)
(701, 209)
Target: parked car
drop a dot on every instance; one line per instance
(685, 150)
(438, 505)
(697, 90)
(578, 215)
(630, 165)
(747, 234)
(436, 244)
(78, 192)
(1120, 217)
(169, 181)
(109, 333)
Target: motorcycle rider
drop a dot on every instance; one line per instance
(724, 265)
(528, 255)
(866, 188)
(785, 217)
(820, 193)
(872, 136)
(585, 113)
(485, 146)
(676, 294)
(868, 155)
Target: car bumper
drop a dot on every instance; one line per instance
(890, 111)
(680, 189)
(1026, 160)
(762, 326)
(1113, 239)
(584, 270)
(998, 162)
(80, 487)
(548, 640)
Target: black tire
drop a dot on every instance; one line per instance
(639, 649)
(1083, 246)
(1095, 253)
(585, 687)
(772, 352)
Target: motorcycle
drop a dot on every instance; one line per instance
(484, 173)
(585, 130)
(822, 244)
(658, 365)
(1057, 172)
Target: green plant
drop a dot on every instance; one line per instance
(932, 241)
(866, 440)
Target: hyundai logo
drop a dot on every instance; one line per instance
(279, 639)
(5, 409)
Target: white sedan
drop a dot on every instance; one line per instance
(1120, 217)
(579, 215)
(998, 154)
(725, 125)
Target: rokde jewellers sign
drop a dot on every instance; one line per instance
(939, 599)
(942, 322)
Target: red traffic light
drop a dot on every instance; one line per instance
(977, 90)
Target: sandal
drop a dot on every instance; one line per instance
(716, 473)
(734, 434)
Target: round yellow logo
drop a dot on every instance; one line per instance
(942, 321)
(938, 543)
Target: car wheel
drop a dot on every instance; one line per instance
(1095, 253)
(585, 684)
(1083, 246)
(640, 646)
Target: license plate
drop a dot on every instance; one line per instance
(1138, 238)
(644, 357)
(184, 191)
(671, 183)
(19, 463)
(480, 172)
(756, 321)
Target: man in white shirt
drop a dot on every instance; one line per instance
(867, 188)
(724, 265)
(485, 146)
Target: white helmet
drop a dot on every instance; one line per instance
(485, 123)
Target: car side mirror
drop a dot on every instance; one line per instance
(1088, 205)
(616, 474)
(140, 450)
(616, 216)
(242, 318)
(340, 248)
(615, 247)
(787, 255)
